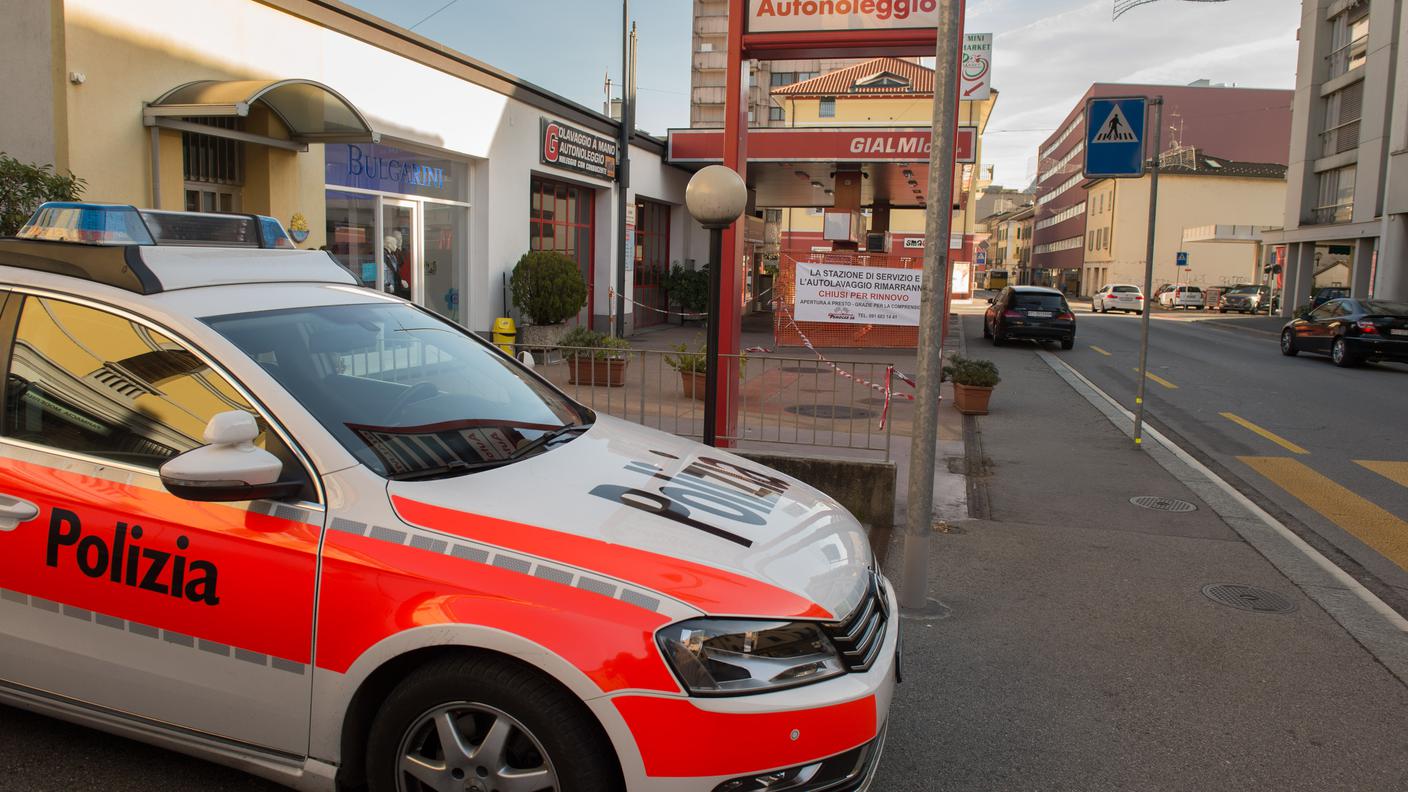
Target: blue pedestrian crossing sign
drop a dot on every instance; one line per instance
(1182, 259)
(1114, 137)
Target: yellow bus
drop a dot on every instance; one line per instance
(997, 279)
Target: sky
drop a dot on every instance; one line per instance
(1045, 55)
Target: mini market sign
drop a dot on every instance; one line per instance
(799, 16)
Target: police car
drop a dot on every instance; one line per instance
(253, 512)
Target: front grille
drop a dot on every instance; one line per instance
(859, 636)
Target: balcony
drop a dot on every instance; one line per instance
(1349, 57)
(1331, 215)
(710, 61)
(1340, 139)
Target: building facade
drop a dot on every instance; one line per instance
(1346, 214)
(1010, 244)
(432, 190)
(707, 75)
(1242, 124)
(1196, 189)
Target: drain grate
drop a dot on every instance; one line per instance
(1248, 598)
(833, 411)
(1163, 504)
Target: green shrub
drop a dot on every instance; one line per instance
(971, 372)
(547, 287)
(24, 187)
(581, 341)
(686, 361)
(689, 289)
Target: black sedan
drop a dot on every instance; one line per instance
(1031, 312)
(1350, 331)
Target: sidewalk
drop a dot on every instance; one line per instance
(1080, 653)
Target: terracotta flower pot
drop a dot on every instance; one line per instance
(970, 399)
(693, 382)
(586, 370)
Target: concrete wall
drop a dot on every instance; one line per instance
(31, 127)
(866, 489)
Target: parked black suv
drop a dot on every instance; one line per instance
(1031, 312)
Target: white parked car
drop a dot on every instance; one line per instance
(1118, 297)
(1183, 297)
(254, 512)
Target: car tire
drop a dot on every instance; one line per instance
(519, 719)
(987, 331)
(1068, 343)
(1288, 343)
(1224, 310)
(1340, 354)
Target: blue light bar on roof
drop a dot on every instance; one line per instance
(89, 224)
(115, 224)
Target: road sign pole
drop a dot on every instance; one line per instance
(1158, 103)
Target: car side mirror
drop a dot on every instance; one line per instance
(229, 467)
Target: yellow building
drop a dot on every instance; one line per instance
(881, 92)
(1196, 189)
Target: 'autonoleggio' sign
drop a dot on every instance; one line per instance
(796, 16)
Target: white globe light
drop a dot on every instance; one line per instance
(716, 196)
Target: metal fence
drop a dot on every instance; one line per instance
(790, 401)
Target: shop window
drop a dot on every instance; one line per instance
(562, 217)
(651, 262)
(827, 108)
(776, 114)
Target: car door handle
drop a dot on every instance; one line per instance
(14, 511)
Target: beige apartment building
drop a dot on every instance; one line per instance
(1196, 189)
(1345, 220)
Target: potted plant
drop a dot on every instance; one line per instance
(594, 358)
(689, 290)
(973, 381)
(548, 288)
(691, 366)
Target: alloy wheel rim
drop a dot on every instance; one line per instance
(1285, 341)
(471, 747)
(1338, 350)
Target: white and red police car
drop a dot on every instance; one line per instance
(254, 512)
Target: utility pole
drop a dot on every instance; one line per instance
(933, 309)
(1158, 103)
(623, 165)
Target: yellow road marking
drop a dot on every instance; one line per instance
(1371, 524)
(1101, 351)
(1273, 437)
(1156, 378)
(1397, 472)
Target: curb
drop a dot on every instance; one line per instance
(1377, 627)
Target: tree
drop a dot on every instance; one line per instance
(24, 187)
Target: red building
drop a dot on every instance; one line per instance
(1243, 124)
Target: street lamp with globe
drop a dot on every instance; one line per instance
(716, 197)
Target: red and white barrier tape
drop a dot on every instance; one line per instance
(883, 388)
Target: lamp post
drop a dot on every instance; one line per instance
(716, 197)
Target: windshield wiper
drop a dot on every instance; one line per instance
(547, 437)
(458, 468)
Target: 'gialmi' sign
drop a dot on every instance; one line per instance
(795, 16)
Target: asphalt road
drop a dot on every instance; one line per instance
(1321, 447)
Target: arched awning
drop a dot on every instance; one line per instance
(312, 112)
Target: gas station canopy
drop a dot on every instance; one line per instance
(797, 167)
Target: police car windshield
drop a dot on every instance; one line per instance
(408, 394)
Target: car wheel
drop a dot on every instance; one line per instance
(1339, 352)
(987, 331)
(482, 723)
(1068, 343)
(1288, 343)
(1224, 310)
(997, 338)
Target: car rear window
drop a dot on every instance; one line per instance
(1192, 290)
(1039, 302)
(1245, 290)
(1127, 289)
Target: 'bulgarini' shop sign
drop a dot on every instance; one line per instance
(793, 16)
(857, 295)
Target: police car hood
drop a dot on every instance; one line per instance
(698, 524)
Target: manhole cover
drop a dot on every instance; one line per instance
(1163, 504)
(829, 411)
(804, 370)
(1248, 598)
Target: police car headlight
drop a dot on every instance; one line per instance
(720, 657)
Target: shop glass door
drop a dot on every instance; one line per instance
(652, 263)
(445, 254)
(400, 250)
(352, 230)
(562, 217)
